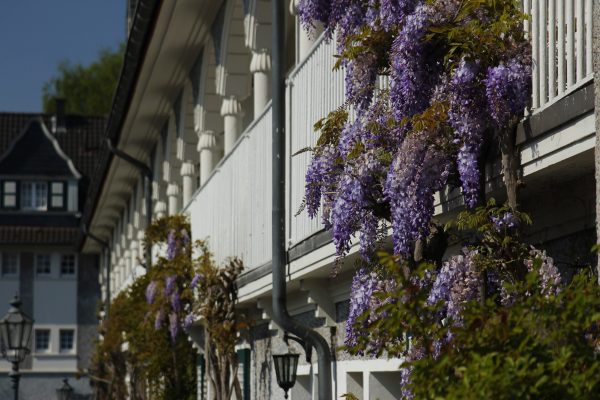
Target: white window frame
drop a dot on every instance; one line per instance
(13, 193)
(3, 273)
(57, 190)
(62, 259)
(35, 340)
(37, 272)
(38, 198)
(73, 343)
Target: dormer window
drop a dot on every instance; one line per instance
(57, 195)
(9, 194)
(34, 196)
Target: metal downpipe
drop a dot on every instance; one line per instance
(106, 256)
(279, 256)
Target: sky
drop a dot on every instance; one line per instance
(35, 35)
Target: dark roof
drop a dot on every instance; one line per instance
(40, 235)
(82, 142)
(140, 34)
(34, 153)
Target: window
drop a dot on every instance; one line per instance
(10, 264)
(34, 196)
(57, 195)
(9, 194)
(42, 340)
(42, 264)
(67, 340)
(67, 264)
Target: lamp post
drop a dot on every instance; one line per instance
(286, 365)
(15, 330)
(65, 392)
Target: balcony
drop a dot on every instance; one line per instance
(233, 209)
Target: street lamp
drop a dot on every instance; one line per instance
(286, 365)
(65, 392)
(15, 330)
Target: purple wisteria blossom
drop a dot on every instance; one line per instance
(188, 321)
(418, 171)
(159, 319)
(173, 326)
(172, 245)
(170, 284)
(176, 301)
(151, 292)
(457, 282)
(508, 87)
(195, 280)
(550, 278)
(505, 222)
(467, 117)
(364, 284)
(409, 79)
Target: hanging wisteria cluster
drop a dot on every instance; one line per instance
(459, 76)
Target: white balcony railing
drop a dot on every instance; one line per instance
(313, 91)
(233, 208)
(561, 41)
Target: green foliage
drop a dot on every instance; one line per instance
(541, 347)
(88, 90)
(524, 341)
(166, 374)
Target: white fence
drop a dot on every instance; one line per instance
(233, 208)
(313, 91)
(561, 40)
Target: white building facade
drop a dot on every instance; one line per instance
(193, 104)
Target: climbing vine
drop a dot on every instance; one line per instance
(144, 335)
(459, 74)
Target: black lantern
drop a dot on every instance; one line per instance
(65, 392)
(286, 366)
(15, 330)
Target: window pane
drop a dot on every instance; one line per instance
(67, 264)
(41, 196)
(10, 200)
(57, 201)
(42, 264)
(57, 188)
(66, 339)
(10, 187)
(26, 195)
(10, 264)
(42, 339)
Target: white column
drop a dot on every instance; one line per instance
(141, 236)
(207, 147)
(160, 209)
(304, 40)
(187, 176)
(134, 257)
(232, 113)
(128, 264)
(173, 196)
(260, 66)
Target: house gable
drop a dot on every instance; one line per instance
(36, 152)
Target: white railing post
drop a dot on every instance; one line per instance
(535, 87)
(551, 49)
(561, 73)
(570, 43)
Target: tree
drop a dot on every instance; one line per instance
(88, 90)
